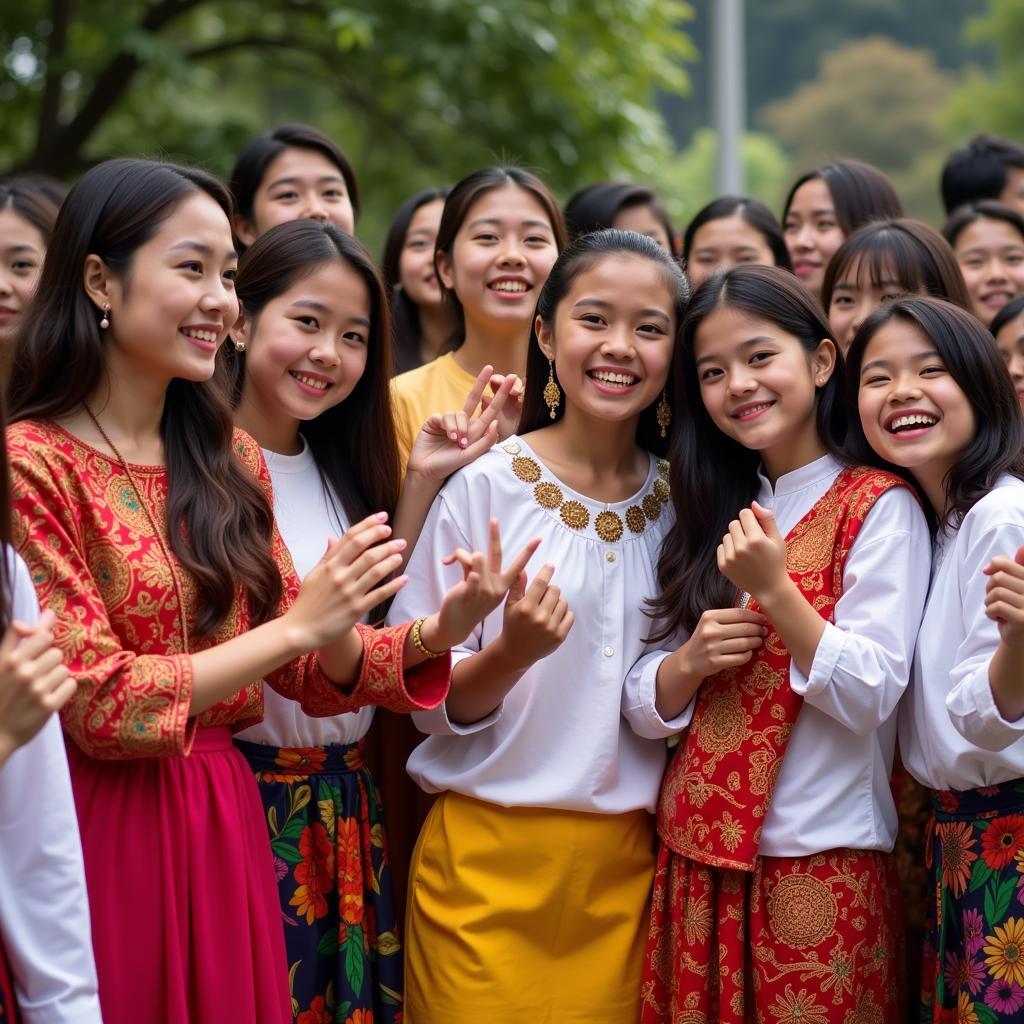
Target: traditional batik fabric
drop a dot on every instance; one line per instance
(326, 829)
(805, 940)
(973, 966)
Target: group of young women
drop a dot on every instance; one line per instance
(670, 562)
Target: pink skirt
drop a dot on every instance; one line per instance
(185, 919)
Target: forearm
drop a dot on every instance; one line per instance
(675, 687)
(418, 495)
(1006, 677)
(799, 626)
(481, 683)
(221, 671)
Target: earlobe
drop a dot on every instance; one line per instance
(244, 231)
(239, 333)
(545, 338)
(443, 266)
(823, 361)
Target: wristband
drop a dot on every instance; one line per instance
(417, 640)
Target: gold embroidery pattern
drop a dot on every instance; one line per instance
(608, 525)
(801, 910)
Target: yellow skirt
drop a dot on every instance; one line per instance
(527, 915)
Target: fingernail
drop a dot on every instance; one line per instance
(399, 543)
(453, 436)
(381, 517)
(463, 442)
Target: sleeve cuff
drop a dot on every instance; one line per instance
(437, 723)
(384, 681)
(645, 712)
(826, 657)
(976, 717)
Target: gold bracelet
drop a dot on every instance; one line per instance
(417, 640)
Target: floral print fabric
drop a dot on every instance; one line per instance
(326, 833)
(973, 965)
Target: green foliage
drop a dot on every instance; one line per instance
(417, 91)
(687, 182)
(874, 100)
(991, 101)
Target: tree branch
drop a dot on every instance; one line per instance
(49, 106)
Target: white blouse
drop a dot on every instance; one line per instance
(44, 909)
(833, 787)
(559, 739)
(307, 518)
(952, 735)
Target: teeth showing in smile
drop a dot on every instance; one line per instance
(311, 382)
(509, 286)
(622, 379)
(209, 336)
(753, 409)
(911, 422)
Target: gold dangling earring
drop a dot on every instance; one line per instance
(239, 345)
(105, 321)
(663, 414)
(552, 394)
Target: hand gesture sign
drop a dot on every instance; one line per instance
(752, 554)
(482, 588)
(537, 618)
(450, 440)
(512, 410)
(1004, 596)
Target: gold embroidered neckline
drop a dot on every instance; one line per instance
(608, 525)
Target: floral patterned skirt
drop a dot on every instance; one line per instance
(973, 967)
(326, 830)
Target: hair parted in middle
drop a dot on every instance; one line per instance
(712, 476)
(354, 443)
(860, 193)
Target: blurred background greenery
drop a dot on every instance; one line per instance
(421, 91)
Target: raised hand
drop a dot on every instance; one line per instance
(537, 619)
(512, 410)
(346, 583)
(752, 554)
(450, 440)
(482, 588)
(1004, 597)
(724, 638)
(34, 682)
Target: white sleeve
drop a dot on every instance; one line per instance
(639, 698)
(429, 581)
(862, 664)
(44, 910)
(970, 703)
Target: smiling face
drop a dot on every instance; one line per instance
(641, 218)
(612, 338)
(991, 255)
(307, 349)
(173, 307)
(500, 258)
(298, 184)
(855, 295)
(812, 232)
(723, 243)
(21, 260)
(1010, 340)
(416, 262)
(912, 411)
(759, 385)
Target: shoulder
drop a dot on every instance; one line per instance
(249, 454)
(1001, 509)
(34, 439)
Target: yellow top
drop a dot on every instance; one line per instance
(439, 386)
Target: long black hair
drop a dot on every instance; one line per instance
(860, 193)
(973, 360)
(579, 257)
(596, 206)
(353, 443)
(405, 315)
(220, 524)
(712, 476)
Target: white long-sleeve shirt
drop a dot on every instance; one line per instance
(559, 739)
(833, 787)
(307, 518)
(44, 909)
(952, 735)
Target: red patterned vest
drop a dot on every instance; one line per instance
(719, 784)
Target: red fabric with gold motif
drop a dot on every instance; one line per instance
(807, 940)
(96, 563)
(719, 784)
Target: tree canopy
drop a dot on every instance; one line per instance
(416, 91)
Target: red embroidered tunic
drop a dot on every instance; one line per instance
(96, 564)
